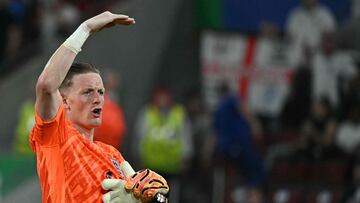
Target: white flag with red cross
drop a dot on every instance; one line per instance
(230, 58)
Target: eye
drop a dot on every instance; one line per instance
(101, 92)
(88, 92)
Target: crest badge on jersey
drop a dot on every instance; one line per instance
(117, 166)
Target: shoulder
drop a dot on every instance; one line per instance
(109, 149)
(179, 107)
(60, 115)
(324, 14)
(296, 12)
(49, 133)
(104, 146)
(321, 9)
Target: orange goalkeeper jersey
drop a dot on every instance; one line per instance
(70, 167)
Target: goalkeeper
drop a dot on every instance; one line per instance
(69, 100)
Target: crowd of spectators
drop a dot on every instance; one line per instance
(16, 18)
(312, 153)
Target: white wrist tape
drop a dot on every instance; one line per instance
(127, 169)
(77, 39)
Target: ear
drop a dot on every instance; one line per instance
(65, 101)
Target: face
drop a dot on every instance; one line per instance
(162, 99)
(84, 100)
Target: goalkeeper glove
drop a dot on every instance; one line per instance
(145, 184)
(118, 194)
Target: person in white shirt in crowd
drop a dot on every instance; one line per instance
(332, 70)
(305, 27)
(270, 49)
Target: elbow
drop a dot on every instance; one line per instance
(44, 85)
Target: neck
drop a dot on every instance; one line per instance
(87, 133)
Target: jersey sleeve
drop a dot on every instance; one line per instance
(48, 133)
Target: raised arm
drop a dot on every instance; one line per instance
(48, 98)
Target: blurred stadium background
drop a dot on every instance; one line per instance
(299, 99)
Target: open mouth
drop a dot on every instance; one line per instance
(96, 112)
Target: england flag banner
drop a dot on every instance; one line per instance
(231, 58)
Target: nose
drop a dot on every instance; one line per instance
(98, 98)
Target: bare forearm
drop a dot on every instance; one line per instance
(48, 97)
(60, 62)
(55, 70)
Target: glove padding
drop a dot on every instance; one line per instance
(145, 184)
(118, 194)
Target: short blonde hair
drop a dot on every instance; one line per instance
(76, 69)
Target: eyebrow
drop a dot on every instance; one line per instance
(93, 89)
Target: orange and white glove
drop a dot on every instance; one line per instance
(145, 184)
